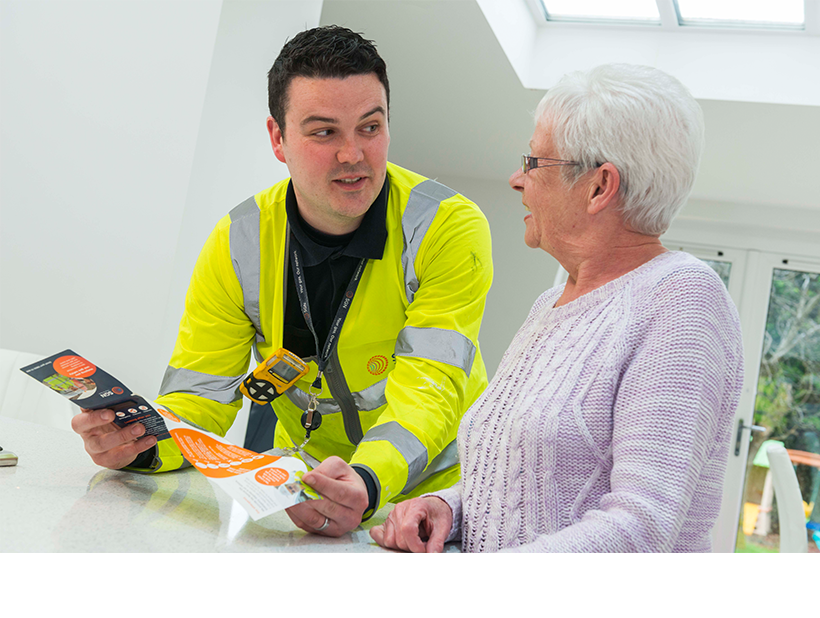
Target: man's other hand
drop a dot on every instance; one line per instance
(344, 499)
(420, 525)
(110, 446)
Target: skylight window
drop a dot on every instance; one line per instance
(748, 14)
(675, 14)
(613, 11)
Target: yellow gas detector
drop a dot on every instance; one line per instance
(273, 377)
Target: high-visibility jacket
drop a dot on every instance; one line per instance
(407, 364)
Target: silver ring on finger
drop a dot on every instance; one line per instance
(324, 525)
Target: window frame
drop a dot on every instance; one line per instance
(672, 20)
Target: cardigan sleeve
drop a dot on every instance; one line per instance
(452, 496)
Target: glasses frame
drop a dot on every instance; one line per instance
(528, 162)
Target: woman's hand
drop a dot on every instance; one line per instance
(419, 525)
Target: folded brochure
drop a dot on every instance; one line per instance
(262, 484)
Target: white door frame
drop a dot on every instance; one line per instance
(753, 307)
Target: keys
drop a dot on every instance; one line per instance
(311, 420)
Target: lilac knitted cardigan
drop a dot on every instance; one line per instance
(607, 425)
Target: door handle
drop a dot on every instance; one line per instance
(740, 428)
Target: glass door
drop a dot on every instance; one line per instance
(786, 406)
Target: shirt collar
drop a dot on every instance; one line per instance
(367, 241)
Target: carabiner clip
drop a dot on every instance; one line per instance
(311, 419)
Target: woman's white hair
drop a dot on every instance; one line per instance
(643, 121)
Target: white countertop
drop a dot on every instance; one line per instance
(57, 500)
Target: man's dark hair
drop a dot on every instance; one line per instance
(325, 52)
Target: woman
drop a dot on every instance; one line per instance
(607, 425)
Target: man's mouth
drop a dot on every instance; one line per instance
(351, 183)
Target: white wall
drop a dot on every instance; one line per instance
(101, 105)
(127, 129)
(794, 231)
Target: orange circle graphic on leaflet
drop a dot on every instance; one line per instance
(272, 476)
(217, 459)
(74, 367)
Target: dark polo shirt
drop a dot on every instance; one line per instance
(329, 262)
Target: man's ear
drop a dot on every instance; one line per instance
(277, 138)
(603, 190)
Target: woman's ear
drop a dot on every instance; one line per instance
(604, 189)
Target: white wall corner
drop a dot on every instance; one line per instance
(515, 28)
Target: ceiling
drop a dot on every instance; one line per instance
(459, 109)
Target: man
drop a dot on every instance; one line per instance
(410, 257)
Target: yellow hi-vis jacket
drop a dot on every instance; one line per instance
(407, 364)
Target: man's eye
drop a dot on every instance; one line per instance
(371, 128)
(323, 133)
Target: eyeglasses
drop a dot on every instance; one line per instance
(530, 163)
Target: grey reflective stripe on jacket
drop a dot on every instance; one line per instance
(421, 209)
(366, 400)
(445, 459)
(407, 444)
(371, 397)
(438, 344)
(245, 256)
(216, 388)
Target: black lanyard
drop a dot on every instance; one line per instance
(341, 312)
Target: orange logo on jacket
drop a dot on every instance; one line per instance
(377, 365)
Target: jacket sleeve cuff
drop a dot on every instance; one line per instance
(163, 457)
(145, 460)
(372, 489)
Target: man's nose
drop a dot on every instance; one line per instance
(350, 152)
